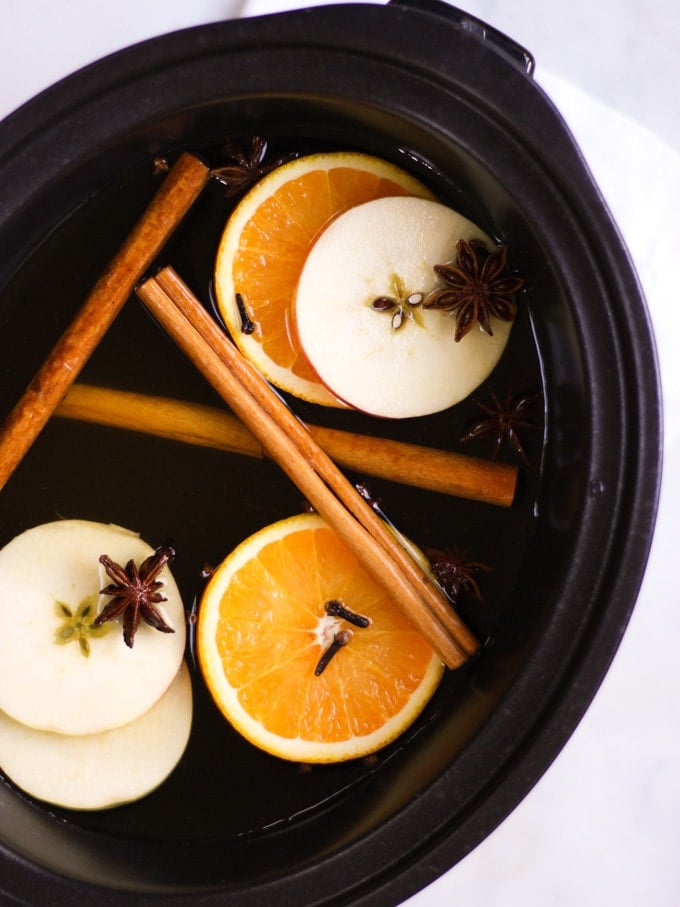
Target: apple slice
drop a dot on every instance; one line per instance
(96, 771)
(47, 680)
(387, 249)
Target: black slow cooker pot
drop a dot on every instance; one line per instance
(441, 93)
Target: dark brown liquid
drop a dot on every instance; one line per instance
(204, 502)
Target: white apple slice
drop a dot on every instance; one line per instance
(53, 569)
(96, 771)
(388, 248)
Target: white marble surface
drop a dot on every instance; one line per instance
(601, 826)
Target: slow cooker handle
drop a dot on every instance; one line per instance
(511, 49)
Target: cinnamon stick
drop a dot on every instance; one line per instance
(193, 423)
(287, 441)
(179, 190)
(249, 378)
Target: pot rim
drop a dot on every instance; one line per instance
(536, 127)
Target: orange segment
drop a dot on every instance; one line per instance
(263, 628)
(266, 241)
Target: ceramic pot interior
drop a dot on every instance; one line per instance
(550, 556)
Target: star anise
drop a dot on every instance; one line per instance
(368, 496)
(501, 422)
(160, 166)
(245, 167)
(454, 573)
(476, 287)
(135, 594)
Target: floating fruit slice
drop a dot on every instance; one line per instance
(265, 244)
(393, 359)
(96, 771)
(265, 625)
(50, 577)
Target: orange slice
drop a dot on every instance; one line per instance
(263, 628)
(264, 246)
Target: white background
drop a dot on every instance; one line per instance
(602, 826)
